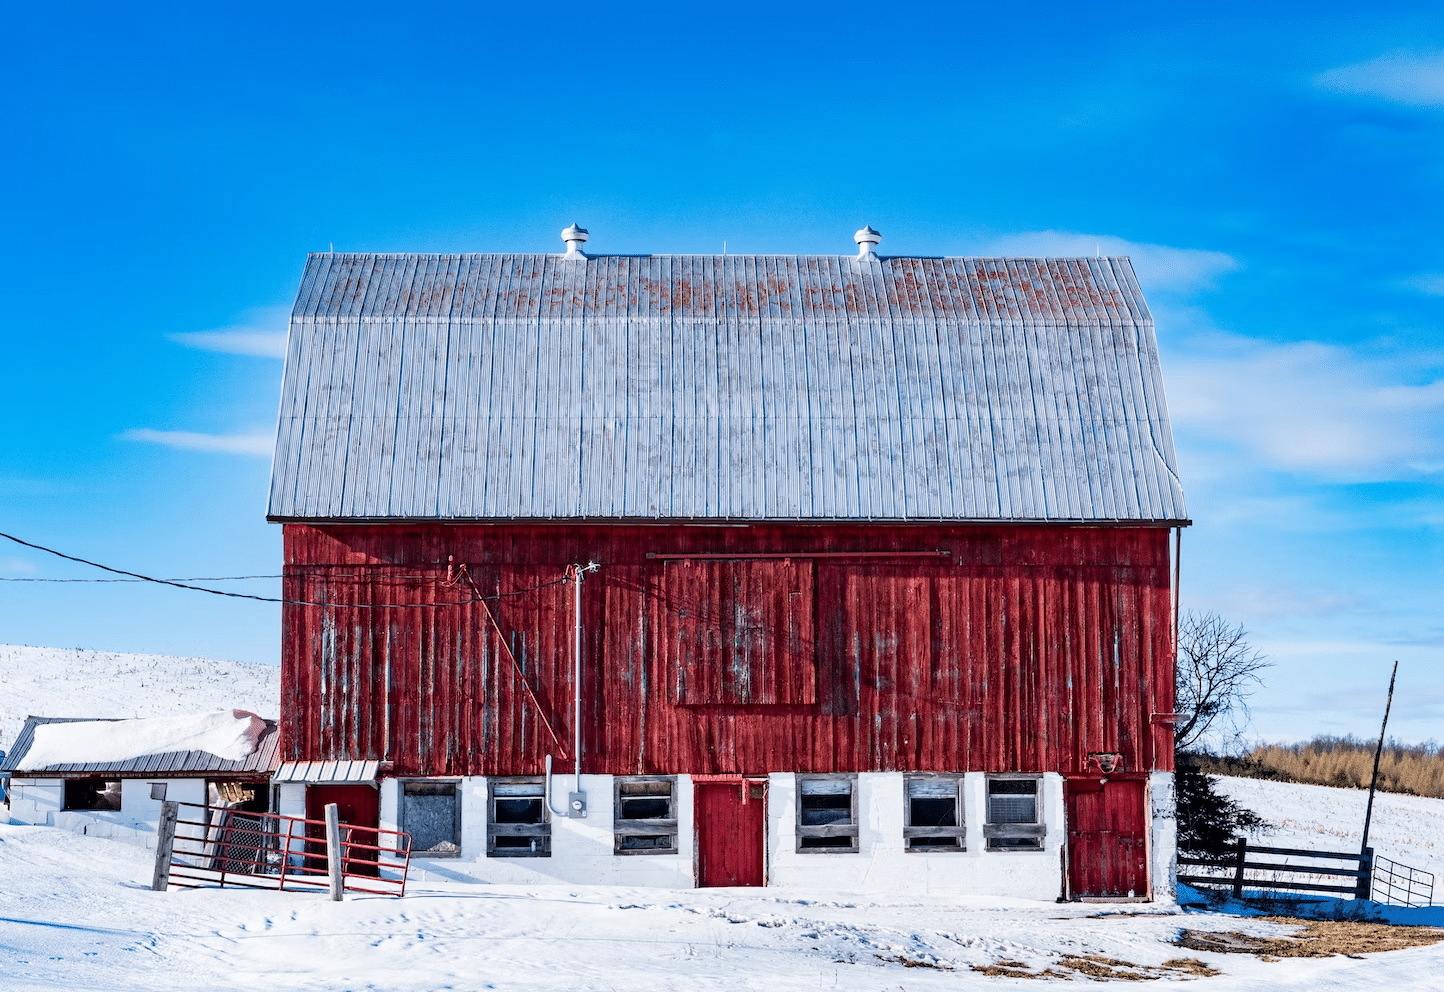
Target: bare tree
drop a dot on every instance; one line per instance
(1217, 671)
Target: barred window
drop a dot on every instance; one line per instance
(933, 818)
(644, 817)
(431, 814)
(517, 824)
(827, 813)
(1014, 822)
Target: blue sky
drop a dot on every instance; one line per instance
(1274, 170)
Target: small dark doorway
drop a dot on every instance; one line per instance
(356, 805)
(1107, 839)
(731, 833)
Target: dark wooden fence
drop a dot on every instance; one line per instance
(1361, 872)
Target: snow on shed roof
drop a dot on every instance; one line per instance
(262, 761)
(738, 387)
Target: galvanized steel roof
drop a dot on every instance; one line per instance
(327, 772)
(493, 386)
(262, 761)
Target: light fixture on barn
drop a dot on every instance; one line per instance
(576, 800)
(1107, 761)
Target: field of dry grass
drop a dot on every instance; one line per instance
(1346, 762)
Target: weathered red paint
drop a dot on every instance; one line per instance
(1025, 649)
(731, 834)
(1107, 838)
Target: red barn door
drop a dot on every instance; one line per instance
(1107, 839)
(731, 833)
(356, 805)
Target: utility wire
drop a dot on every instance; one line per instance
(182, 584)
(193, 578)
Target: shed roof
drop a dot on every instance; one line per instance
(737, 387)
(262, 761)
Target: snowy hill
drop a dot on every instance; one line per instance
(76, 682)
(1408, 829)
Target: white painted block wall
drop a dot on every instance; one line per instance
(883, 863)
(39, 802)
(582, 849)
(1163, 837)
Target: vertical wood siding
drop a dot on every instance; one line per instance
(1026, 649)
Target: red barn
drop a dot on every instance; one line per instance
(880, 588)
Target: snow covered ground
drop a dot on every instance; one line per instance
(77, 914)
(76, 682)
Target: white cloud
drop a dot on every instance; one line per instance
(262, 333)
(1415, 78)
(1274, 600)
(1429, 283)
(1308, 407)
(257, 444)
(13, 565)
(1159, 267)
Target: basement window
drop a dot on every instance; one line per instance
(92, 794)
(826, 814)
(1014, 822)
(517, 825)
(933, 817)
(431, 814)
(644, 819)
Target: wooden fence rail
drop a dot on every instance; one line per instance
(1362, 872)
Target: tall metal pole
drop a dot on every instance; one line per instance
(1374, 780)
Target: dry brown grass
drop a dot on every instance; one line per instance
(1100, 968)
(1314, 939)
(1346, 762)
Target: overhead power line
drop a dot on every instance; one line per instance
(184, 584)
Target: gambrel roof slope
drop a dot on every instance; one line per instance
(703, 387)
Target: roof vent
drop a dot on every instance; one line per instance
(867, 241)
(575, 237)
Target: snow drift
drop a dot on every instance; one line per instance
(228, 734)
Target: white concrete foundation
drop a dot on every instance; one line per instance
(38, 801)
(1163, 837)
(582, 849)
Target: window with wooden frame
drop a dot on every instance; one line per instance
(517, 824)
(1014, 821)
(826, 814)
(933, 819)
(431, 814)
(644, 814)
(91, 794)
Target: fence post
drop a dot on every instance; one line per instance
(1365, 889)
(333, 850)
(164, 845)
(1238, 871)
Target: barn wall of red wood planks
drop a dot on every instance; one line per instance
(1024, 648)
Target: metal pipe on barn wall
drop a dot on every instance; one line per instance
(577, 799)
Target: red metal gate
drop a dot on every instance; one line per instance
(1107, 839)
(731, 833)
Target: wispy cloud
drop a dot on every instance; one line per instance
(262, 333)
(1275, 600)
(1308, 407)
(1159, 267)
(1414, 78)
(1428, 283)
(258, 444)
(14, 565)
